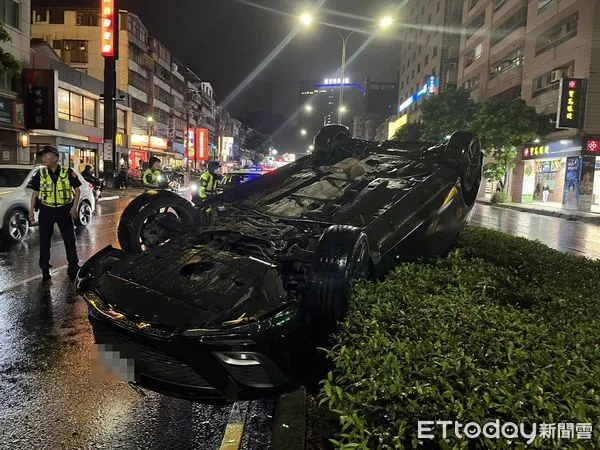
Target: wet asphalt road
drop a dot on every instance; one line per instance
(55, 394)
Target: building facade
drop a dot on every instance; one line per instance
(525, 49)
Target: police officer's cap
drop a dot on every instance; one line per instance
(153, 160)
(48, 149)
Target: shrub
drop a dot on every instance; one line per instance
(499, 197)
(503, 328)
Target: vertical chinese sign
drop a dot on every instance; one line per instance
(190, 144)
(571, 103)
(41, 92)
(572, 179)
(108, 28)
(202, 144)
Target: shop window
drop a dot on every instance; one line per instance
(76, 106)
(89, 111)
(10, 13)
(63, 104)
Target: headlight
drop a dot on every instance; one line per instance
(160, 178)
(194, 187)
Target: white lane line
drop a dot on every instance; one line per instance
(106, 199)
(21, 283)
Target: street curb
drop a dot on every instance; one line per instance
(234, 431)
(561, 215)
(289, 427)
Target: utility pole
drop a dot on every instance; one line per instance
(110, 52)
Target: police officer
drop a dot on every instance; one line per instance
(208, 181)
(152, 177)
(57, 188)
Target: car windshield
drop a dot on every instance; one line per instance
(13, 177)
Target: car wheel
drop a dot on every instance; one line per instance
(84, 214)
(467, 147)
(16, 225)
(342, 257)
(153, 218)
(329, 139)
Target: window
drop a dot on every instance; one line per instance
(426, 59)
(558, 34)
(474, 55)
(498, 4)
(57, 16)
(435, 51)
(121, 122)
(76, 108)
(473, 83)
(138, 81)
(515, 21)
(87, 19)
(139, 107)
(475, 25)
(420, 48)
(89, 111)
(412, 75)
(433, 71)
(428, 40)
(437, 9)
(74, 51)
(545, 5)
(9, 13)
(511, 61)
(548, 81)
(429, 19)
(418, 68)
(472, 4)
(163, 96)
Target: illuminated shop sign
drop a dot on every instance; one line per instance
(334, 81)
(430, 88)
(396, 125)
(108, 28)
(571, 103)
(591, 145)
(554, 149)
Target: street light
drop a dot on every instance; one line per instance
(343, 109)
(308, 108)
(307, 19)
(303, 132)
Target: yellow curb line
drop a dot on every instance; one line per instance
(234, 431)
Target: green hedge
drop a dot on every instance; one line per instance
(504, 328)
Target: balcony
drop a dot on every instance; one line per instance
(505, 79)
(514, 38)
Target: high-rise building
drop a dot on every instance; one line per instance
(429, 52)
(529, 49)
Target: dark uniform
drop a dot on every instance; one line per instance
(56, 200)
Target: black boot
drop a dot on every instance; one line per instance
(72, 270)
(46, 276)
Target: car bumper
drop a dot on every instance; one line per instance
(218, 366)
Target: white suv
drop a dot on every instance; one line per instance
(15, 198)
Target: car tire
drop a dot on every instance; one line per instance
(84, 214)
(16, 225)
(342, 257)
(329, 139)
(153, 218)
(467, 148)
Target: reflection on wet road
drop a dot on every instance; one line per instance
(568, 236)
(55, 394)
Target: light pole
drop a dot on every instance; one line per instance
(385, 22)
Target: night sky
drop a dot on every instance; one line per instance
(223, 41)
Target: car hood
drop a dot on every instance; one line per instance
(181, 287)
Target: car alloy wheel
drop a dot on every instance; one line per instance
(85, 214)
(18, 225)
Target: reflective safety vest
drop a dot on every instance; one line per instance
(55, 194)
(208, 184)
(154, 174)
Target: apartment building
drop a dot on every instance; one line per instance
(522, 49)
(429, 52)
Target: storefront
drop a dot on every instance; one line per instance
(74, 153)
(549, 173)
(13, 139)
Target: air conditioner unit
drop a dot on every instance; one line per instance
(556, 75)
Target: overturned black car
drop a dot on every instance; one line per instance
(229, 300)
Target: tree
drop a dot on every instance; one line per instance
(409, 132)
(7, 61)
(256, 145)
(502, 126)
(443, 114)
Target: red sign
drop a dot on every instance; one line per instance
(593, 146)
(108, 28)
(202, 144)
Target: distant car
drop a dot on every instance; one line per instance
(230, 300)
(237, 177)
(15, 197)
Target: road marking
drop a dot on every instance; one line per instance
(21, 283)
(105, 199)
(232, 440)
